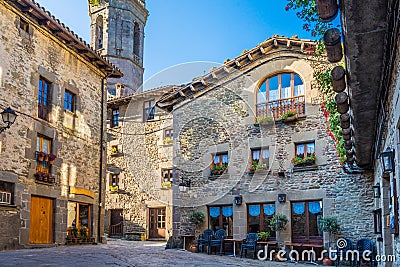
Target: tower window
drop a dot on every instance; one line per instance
(99, 32)
(136, 40)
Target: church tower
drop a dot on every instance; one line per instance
(117, 32)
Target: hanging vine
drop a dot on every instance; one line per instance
(307, 11)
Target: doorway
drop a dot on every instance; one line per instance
(116, 223)
(41, 221)
(157, 223)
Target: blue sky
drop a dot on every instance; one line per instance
(180, 31)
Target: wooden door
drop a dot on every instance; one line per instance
(157, 223)
(41, 224)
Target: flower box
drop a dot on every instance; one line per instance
(113, 188)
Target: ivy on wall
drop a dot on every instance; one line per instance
(306, 10)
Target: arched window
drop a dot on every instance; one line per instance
(136, 39)
(99, 32)
(279, 94)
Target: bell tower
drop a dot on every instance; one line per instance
(117, 32)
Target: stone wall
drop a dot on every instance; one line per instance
(221, 119)
(27, 56)
(141, 157)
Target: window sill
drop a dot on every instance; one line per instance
(305, 168)
(8, 207)
(73, 114)
(117, 154)
(45, 183)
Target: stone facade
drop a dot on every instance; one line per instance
(138, 152)
(117, 32)
(220, 118)
(32, 55)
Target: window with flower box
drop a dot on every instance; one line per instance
(166, 180)
(259, 159)
(168, 134)
(6, 193)
(114, 181)
(220, 163)
(44, 160)
(304, 154)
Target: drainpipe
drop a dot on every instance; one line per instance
(101, 204)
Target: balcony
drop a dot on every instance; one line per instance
(276, 108)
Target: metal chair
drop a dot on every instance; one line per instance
(342, 255)
(366, 245)
(217, 241)
(250, 243)
(204, 239)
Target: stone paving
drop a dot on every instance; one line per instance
(123, 253)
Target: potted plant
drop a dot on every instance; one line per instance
(263, 236)
(265, 120)
(113, 188)
(166, 184)
(114, 150)
(218, 169)
(167, 141)
(51, 158)
(278, 223)
(40, 155)
(39, 176)
(255, 165)
(306, 161)
(196, 217)
(329, 224)
(289, 116)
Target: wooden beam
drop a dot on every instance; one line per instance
(203, 82)
(181, 93)
(44, 22)
(214, 75)
(82, 51)
(192, 88)
(288, 44)
(262, 50)
(28, 9)
(250, 57)
(237, 63)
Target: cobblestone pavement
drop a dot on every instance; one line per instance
(123, 253)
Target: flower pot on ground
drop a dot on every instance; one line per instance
(329, 224)
(196, 217)
(278, 223)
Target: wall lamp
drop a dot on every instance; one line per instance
(238, 200)
(387, 159)
(8, 115)
(377, 191)
(281, 198)
(184, 185)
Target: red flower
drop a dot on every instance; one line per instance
(287, 8)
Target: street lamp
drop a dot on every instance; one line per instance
(8, 115)
(387, 158)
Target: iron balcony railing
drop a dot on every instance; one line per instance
(276, 108)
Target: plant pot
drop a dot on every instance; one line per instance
(338, 79)
(348, 144)
(349, 153)
(193, 248)
(291, 118)
(342, 102)
(346, 133)
(327, 261)
(327, 9)
(333, 46)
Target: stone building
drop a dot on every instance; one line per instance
(54, 81)
(117, 32)
(373, 83)
(217, 144)
(139, 177)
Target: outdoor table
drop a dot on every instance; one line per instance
(184, 241)
(266, 244)
(234, 244)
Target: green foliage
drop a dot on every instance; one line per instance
(94, 2)
(83, 231)
(307, 11)
(255, 165)
(329, 224)
(324, 81)
(196, 217)
(263, 236)
(114, 150)
(218, 169)
(278, 222)
(298, 160)
(288, 114)
(264, 120)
